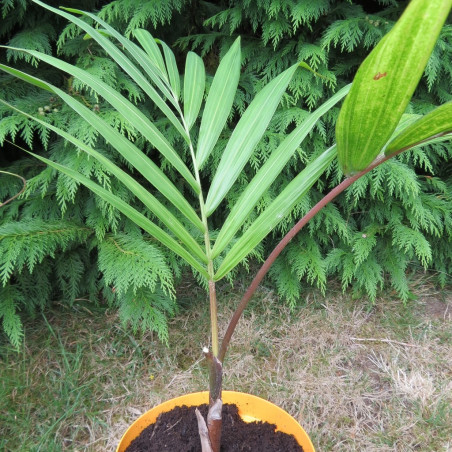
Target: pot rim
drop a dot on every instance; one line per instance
(251, 408)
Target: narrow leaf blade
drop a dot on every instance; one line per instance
(119, 57)
(246, 135)
(132, 154)
(155, 206)
(268, 173)
(25, 77)
(171, 67)
(277, 210)
(219, 102)
(138, 218)
(194, 84)
(120, 103)
(152, 49)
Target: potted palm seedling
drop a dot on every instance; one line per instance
(371, 128)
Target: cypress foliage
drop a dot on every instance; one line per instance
(59, 241)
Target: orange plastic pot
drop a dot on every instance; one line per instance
(251, 408)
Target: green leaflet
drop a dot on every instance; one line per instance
(19, 74)
(268, 173)
(194, 84)
(385, 83)
(128, 150)
(164, 215)
(438, 121)
(138, 218)
(246, 135)
(219, 102)
(146, 59)
(152, 49)
(171, 68)
(120, 103)
(275, 212)
(160, 80)
(119, 57)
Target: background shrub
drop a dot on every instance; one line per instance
(60, 242)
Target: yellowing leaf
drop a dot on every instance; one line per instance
(385, 82)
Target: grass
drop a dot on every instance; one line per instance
(357, 377)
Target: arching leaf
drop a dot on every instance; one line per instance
(128, 150)
(119, 57)
(119, 102)
(154, 206)
(138, 218)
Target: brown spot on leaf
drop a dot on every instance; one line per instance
(379, 76)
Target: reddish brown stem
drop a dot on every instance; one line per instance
(214, 420)
(215, 374)
(283, 243)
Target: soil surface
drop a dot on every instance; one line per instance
(177, 431)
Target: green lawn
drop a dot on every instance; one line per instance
(358, 377)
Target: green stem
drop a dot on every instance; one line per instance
(210, 269)
(213, 318)
(214, 420)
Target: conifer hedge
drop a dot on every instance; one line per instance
(60, 242)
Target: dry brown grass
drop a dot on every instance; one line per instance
(357, 378)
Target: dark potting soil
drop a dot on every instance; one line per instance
(177, 431)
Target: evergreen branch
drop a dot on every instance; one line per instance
(24, 181)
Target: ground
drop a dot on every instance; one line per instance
(358, 376)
